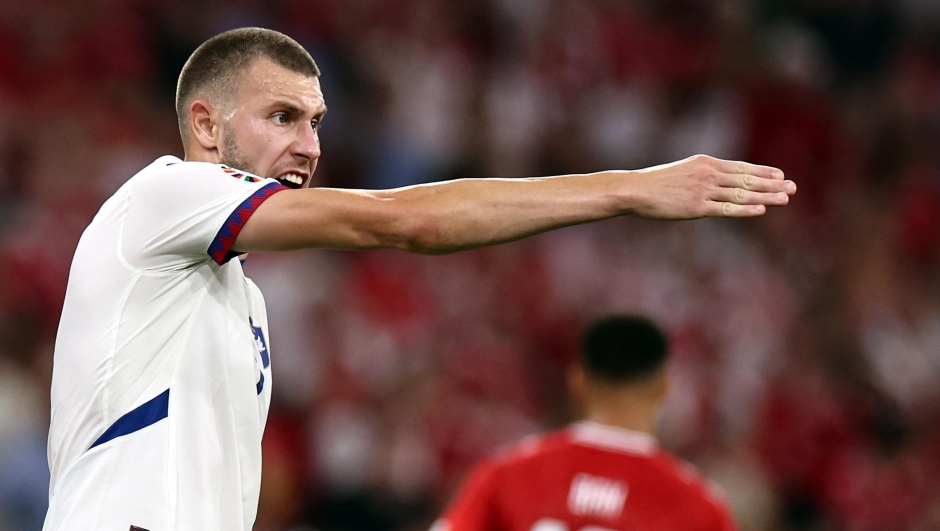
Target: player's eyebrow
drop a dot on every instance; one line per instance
(295, 110)
(290, 108)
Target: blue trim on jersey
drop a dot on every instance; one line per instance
(139, 418)
(220, 248)
(260, 384)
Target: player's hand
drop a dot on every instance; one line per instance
(702, 186)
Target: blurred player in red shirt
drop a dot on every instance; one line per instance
(605, 473)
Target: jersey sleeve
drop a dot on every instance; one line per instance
(474, 508)
(723, 519)
(188, 213)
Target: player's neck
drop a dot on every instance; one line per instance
(195, 153)
(633, 408)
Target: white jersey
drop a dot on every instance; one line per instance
(162, 378)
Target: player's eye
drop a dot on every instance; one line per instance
(281, 118)
(315, 124)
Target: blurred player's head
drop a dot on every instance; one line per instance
(250, 98)
(623, 349)
(620, 377)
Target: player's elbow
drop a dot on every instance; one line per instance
(423, 232)
(415, 228)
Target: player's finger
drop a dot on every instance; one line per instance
(746, 168)
(741, 196)
(755, 183)
(726, 209)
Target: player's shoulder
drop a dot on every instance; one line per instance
(169, 168)
(692, 479)
(531, 449)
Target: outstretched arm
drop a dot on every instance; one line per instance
(468, 213)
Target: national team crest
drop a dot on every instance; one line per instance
(240, 175)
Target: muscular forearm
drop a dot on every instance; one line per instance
(470, 213)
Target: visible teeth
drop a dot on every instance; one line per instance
(294, 178)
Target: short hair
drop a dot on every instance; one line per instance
(623, 349)
(216, 63)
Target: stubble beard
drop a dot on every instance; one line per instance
(233, 158)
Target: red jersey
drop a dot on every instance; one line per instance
(588, 477)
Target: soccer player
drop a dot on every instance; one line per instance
(605, 473)
(162, 374)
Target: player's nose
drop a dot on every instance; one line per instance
(307, 143)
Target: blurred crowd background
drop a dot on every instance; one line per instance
(806, 344)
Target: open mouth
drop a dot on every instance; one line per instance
(292, 179)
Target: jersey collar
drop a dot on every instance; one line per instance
(601, 435)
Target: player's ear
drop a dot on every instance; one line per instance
(661, 385)
(204, 125)
(577, 384)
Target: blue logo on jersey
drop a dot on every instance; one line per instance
(262, 347)
(260, 343)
